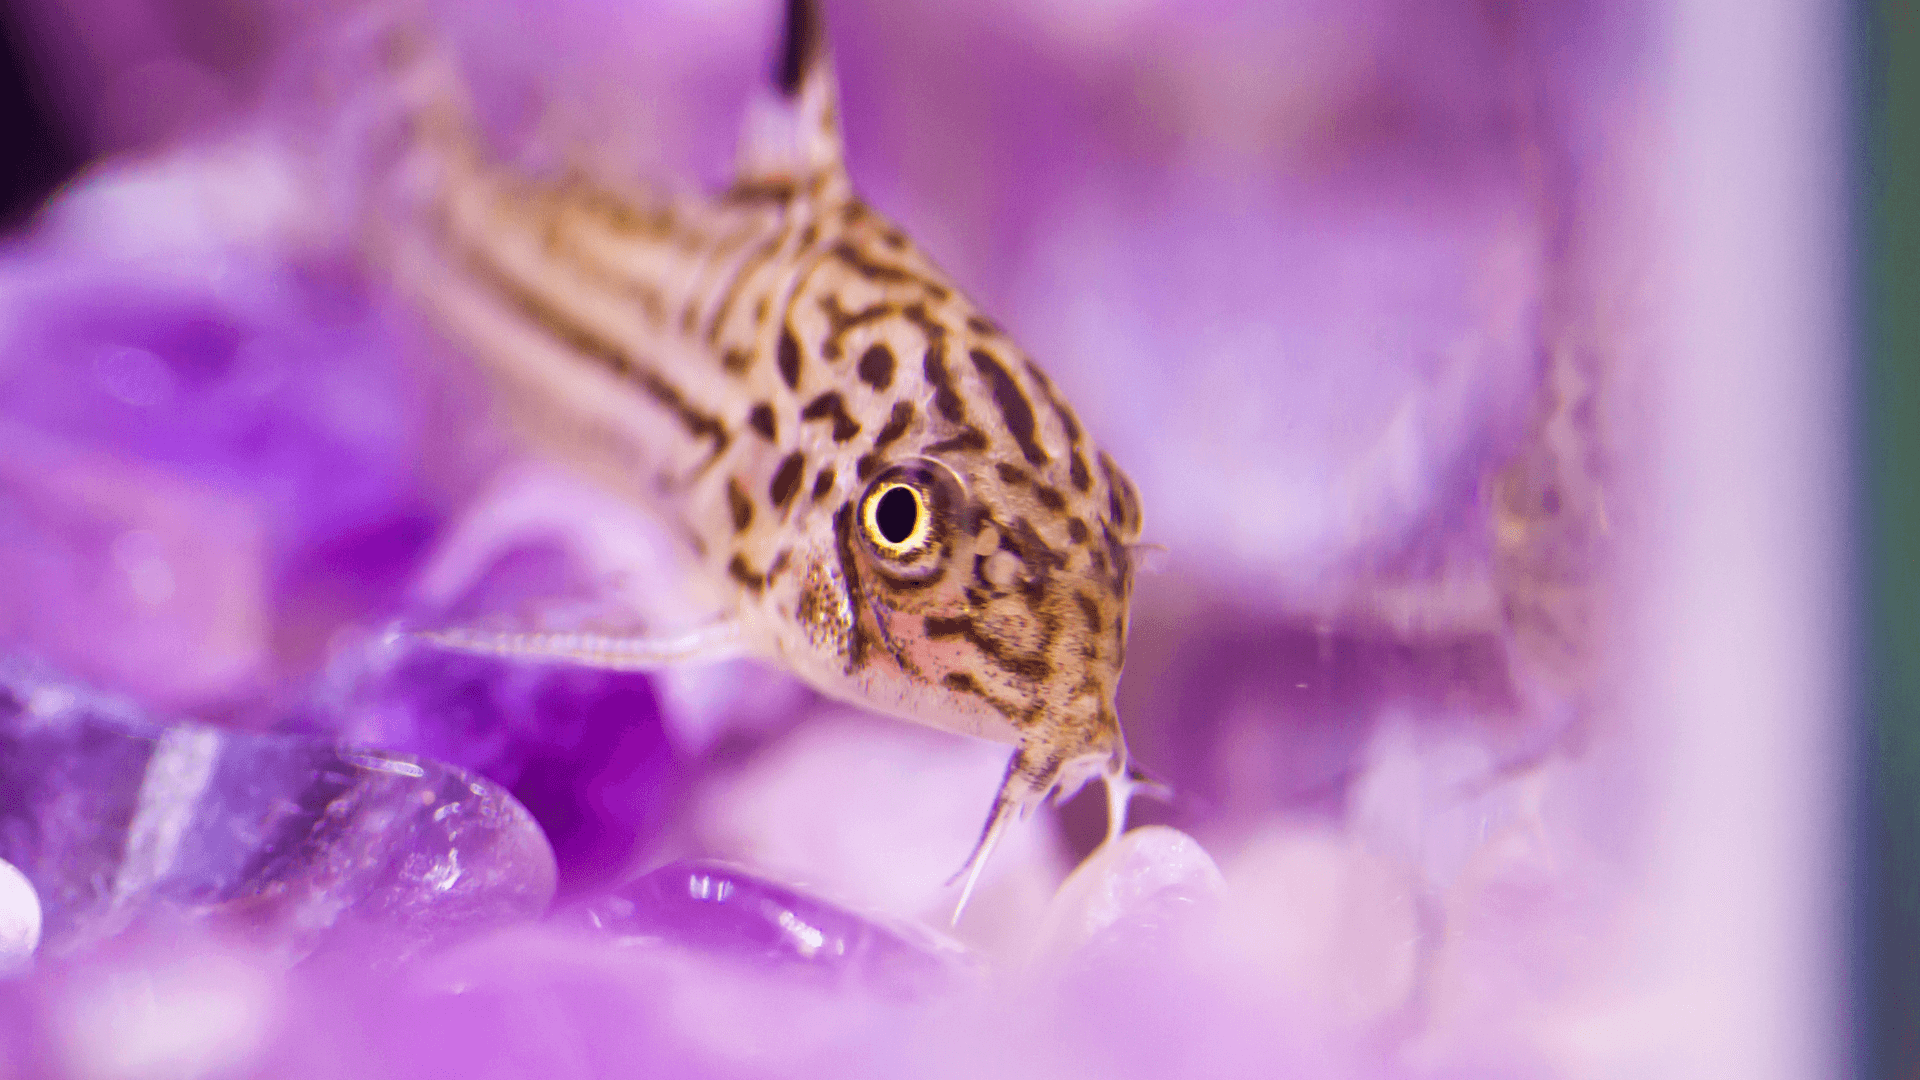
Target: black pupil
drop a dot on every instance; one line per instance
(897, 514)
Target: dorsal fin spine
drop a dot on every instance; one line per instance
(802, 42)
(809, 150)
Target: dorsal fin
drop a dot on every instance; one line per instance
(803, 45)
(793, 135)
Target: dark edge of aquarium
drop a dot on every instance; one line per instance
(35, 155)
(1886, 939)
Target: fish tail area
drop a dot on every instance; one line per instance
(400, 161)
(384, 122)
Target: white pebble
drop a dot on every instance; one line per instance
(1144, 877)
(19, 920)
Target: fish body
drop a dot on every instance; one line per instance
(886, 495)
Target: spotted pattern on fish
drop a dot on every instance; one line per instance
(760, 364)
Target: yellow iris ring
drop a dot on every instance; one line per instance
(922, 521)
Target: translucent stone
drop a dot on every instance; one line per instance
(719, 909)
(299, 842)
(584, 751)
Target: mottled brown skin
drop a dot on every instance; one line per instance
(849, 363)
(1011, 620)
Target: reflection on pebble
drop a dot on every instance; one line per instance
(725, 911)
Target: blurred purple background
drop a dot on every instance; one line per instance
(1436, 337)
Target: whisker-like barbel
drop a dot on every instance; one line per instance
(608, 651)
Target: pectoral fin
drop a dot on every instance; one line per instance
(614, 652)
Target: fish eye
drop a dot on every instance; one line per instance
(897, 518)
